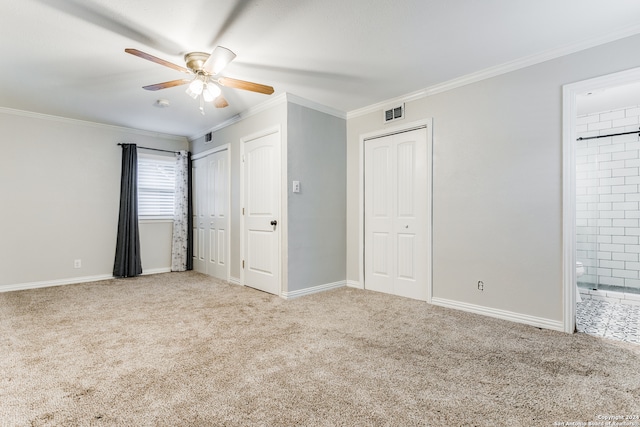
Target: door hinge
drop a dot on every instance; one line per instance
(242, 263)
(242, 211)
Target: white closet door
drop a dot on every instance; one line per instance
(199, 175)
(396, 216)
(217, 216)
(211, 214)
(261, 229)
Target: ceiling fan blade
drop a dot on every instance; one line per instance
(218, 60)
(220, 102)
(165, 85)
(241, 84)
(157, 60)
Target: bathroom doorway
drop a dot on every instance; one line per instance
(602, 140)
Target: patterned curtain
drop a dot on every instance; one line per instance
(180, 241)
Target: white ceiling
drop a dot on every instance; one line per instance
(66, 57)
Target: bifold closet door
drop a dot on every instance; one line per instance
(217, 218)
(199, 175)
(211, 214)
(396, 217)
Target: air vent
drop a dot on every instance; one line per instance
(394, 113)
(207, 137)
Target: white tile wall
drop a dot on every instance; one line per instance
(608, 199)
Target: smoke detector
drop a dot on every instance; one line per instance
(162, 103)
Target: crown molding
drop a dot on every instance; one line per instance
(252, 111)
(497, 70)
(41, 116)
(295, 99)
(270, 103)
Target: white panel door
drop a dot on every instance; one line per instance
(199, 175)
(379, 215)
(217, 217)
(261, 193)
(396, 217)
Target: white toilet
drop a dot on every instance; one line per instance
(579, 272)
(579, 269)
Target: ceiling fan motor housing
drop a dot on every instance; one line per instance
(195, 61)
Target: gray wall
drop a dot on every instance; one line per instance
(316, 156)
(497, 181)
(60, 194)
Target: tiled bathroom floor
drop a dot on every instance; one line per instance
(609, 320)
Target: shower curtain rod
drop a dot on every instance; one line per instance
(604, 136)
(155, 149)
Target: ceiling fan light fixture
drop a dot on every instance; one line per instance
(206, 94)
(211, 92)
(191, 93)
(196, 86)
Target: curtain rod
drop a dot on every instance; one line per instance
(604, 136)
(154, 149)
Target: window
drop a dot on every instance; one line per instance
(156, 186)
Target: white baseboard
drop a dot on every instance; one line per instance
(72, 280)
(538, 322)
(313, 290)
(354, 284)
(58, 282)
(234, 280)
(156, 271)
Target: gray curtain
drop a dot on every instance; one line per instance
(128, 262)
(189, 213)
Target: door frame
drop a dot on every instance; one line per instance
(569, 135)
(203, 155)
(405, 127)
(282, 222)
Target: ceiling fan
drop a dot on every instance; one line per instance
(204, 67)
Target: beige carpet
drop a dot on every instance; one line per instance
(181, 349)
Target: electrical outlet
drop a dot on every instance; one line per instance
(480, 285)
(77, 263)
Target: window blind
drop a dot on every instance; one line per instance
(156, 186)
